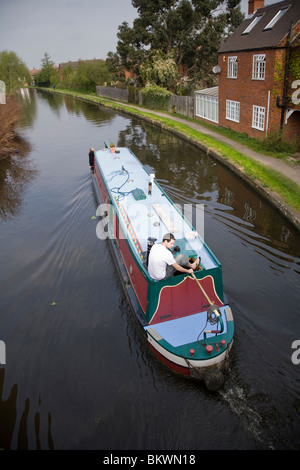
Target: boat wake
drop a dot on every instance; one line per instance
(249, 418)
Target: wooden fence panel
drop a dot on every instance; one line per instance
(184, 105)
(112, 92)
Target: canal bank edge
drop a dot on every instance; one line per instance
(275, 199)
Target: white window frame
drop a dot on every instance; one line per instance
(276, 18)
(207, 107)
(258, 117)
(259, 67)
(252, 24)
(232, 67)
(233, 110)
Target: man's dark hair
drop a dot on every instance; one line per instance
(168, 237)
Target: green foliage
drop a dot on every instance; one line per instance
(43, 78)
(159, 70)
(133, 94)
(86, 76)
(13, 71)
(276, 143)
(155, 97)
(188, 31)
(278, 76)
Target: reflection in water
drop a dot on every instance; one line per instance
(16, 172)
(170, 159)
(92, 112)
(248, 206)
(29, 107)
(8, 418)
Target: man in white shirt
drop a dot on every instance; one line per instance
(162, 263)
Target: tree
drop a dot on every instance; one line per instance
(13, 71)
(99, 73)
(189, 30)
(86, 76)
(159, 70)
(43, 78)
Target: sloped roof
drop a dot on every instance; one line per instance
(212, 91)
(34, 71)
(258, 38)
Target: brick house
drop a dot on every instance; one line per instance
(259, 74)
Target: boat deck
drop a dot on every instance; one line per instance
(145, 215)
(185, 330)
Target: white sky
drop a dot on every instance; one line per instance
(65, 29)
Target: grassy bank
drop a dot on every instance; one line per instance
(268, 178)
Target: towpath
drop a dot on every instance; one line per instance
(290, 170)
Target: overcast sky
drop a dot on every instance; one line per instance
(65, 29)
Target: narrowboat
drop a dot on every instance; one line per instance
(186, 318)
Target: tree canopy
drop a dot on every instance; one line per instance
(87, 75)
(13, 71)
(188, 31)
(48, 75)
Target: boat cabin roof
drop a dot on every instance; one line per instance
(144, 215)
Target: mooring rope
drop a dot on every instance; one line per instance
(203, 291)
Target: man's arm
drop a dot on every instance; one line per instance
(181, 269)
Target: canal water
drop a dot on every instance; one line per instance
(78, 373)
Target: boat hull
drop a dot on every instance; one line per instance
(197, 370)
(150, 303)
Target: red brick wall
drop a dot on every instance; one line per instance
(246, 91)
(291, 131)
(249, 92)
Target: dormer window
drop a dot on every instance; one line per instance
(276, 18)
(252, 24)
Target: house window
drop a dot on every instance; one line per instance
(233, 110)
(252, 24)
(258, 117)
(276, 18)
(259, 67)
(207, 107)
(232, 67)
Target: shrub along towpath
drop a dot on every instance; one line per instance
(278, 181)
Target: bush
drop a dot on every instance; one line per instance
(277, 143)
(10, 114)
(155, 97)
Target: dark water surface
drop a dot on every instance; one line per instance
(78, 373)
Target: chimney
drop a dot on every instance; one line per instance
(254, 5)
